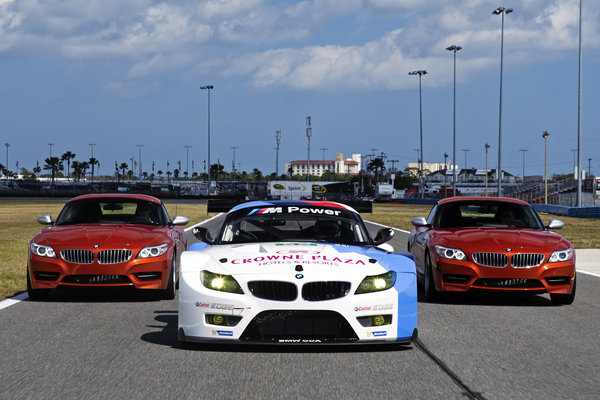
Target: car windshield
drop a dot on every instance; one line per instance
(339, 226)
(112, 210)
(486, 213)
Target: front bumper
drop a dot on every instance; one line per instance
(144, 273)
(211, 316)
(453, 275)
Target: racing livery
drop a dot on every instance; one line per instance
(296, 273)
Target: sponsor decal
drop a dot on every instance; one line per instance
(222, 333)
(296, 244)
(217, 306)
(266, 210)
(378, 333)
(378, 307)
(298, 252)
(300, 341)
(299, 276)
(278, 186)
(306, 210)
(201, 304)
(318, 189)
(301, 257)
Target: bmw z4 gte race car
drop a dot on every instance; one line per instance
(296, 272)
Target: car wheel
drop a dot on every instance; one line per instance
(170, 291)
(429, 290)
(565, 298)
(36, 294)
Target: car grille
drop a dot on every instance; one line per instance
(299, 326)
(78, 256)
(317, 291)
(96, 279)
(273, 290)
(525, 260)
(491, 259)
(114, 256)
(510, 283)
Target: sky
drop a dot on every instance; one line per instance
(123, 73)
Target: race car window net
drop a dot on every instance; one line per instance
(343, 228)
(486, 213)
(117, 210)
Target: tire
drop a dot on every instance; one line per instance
(36, 294)
(429, 291)
(564, 299)
(170, 291)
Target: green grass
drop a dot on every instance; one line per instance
(18, 224)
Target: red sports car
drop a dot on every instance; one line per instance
(107, 240)
(494, 244)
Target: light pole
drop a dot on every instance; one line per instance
(308, 135)
(589, 167)
(545, 136)
(323, 149)
(208, 88)
(578, 204)
(501, 11)
(487, 147)
(454, 48)
(523, 151)
(92, 148)
(140, 159)
(278, 141)
(445, 171)
(187, 159)
(50, 145)
(466, 151)
(233, 161)
(420, 73)
(7, 146)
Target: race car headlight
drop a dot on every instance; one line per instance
(452, 254)
(377, 283)
(561, 255)
(223, 283)
(43, 251)
(153, 251)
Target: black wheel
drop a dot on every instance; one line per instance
(170, 291)
(565, 299)
(431, 294)
(36, 294)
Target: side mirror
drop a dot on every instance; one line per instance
(419, 221)
(384, 235)
(45, 219)
(203, 234)
(180, 220)
(555, 224)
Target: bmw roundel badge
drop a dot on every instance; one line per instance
(299, 276)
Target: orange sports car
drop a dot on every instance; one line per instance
(492, 244)
(107, 240)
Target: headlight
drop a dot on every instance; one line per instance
(153, 251)
(561, 255)
(377, 283)
(452, 254)
(223, 283)
(43, 251)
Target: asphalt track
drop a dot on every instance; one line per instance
(122, 344)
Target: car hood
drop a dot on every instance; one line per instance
(102, 235)
(500, 239)
(273, 258)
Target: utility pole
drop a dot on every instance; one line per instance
(308, 136)
(278, 140)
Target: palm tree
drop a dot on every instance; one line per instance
(375, 165)
(124, 166)
(68, 156)
(37, 169)
(84, 167)
(76, 170)
(160, 174)
(53, 164)
(92, 161)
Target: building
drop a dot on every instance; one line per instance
(349, 166)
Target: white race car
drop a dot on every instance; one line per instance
(296, 272)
